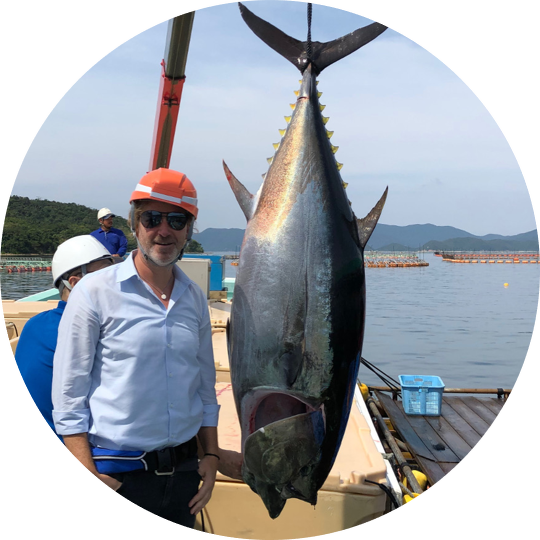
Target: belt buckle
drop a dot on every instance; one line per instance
(166, 460)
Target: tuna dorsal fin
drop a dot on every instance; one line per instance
(366, 226)
(294, 50)
(245, 199)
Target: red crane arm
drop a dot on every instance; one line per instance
(170, 89)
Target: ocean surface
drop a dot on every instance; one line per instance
(457, 321)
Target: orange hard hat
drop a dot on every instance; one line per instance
(167, 186)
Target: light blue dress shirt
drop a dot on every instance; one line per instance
(131, 373)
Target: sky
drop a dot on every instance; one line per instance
(400, 117)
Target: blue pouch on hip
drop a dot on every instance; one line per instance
(118, 461)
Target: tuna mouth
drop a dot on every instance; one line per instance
(282, 447)
(265, 406)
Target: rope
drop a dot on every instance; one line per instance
(308, 47)
(387, 490)
(389, 381)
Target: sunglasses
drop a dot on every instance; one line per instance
(152, 219)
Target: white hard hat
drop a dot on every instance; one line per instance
(75, 252)
(104, 212)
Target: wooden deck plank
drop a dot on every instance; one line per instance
(466, 432)
(479, 408)
(402, 426)
(452, 438)
(434, 472)
(497, 406)
(438, 446)
(439, 443)
(477, 423)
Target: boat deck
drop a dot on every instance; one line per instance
(439, 443)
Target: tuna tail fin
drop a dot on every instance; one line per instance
(323, 54)
(366, 226)
(245, 199)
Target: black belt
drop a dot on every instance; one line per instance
(165, 461)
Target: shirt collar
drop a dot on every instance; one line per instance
(127, 270)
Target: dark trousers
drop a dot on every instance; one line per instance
(165, 496)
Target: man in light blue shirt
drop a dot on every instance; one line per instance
(140, 341)
(134, 373)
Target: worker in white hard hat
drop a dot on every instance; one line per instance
(72, 260)
(113, 239)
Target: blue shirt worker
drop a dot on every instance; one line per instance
(113, 239)
(134, 376)
(34, 355)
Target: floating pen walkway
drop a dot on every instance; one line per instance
(490, 258)
(393, 260)
(438, 443)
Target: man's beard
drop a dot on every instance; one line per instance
(162, 264)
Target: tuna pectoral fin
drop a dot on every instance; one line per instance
(271, 498)
(366, 226)
(245, 199)
(279, 460)
(323, 54)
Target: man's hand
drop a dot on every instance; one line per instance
(230, 463)
(78, 445)
(113, 483)
(207, 469)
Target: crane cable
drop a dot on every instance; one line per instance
(308, 47)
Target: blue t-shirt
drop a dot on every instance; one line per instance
(34, 356)
(114, 240)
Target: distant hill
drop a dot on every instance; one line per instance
(220, 239)
(396, 238)
(413, 235)
(38, 226)
(436, 237)
(476, 244)
(396, 247)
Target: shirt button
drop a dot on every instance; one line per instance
(168, 345)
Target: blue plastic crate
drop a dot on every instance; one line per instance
(421, 394)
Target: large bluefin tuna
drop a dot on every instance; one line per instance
(297, 319)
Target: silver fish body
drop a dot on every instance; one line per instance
(297, 319)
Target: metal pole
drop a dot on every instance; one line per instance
(402, 462)
(497, 391)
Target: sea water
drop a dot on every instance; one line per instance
(457, 321)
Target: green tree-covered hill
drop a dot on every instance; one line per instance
(38, 226)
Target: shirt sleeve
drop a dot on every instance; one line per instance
(205, 356)
(123, 243)
(78, 336)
